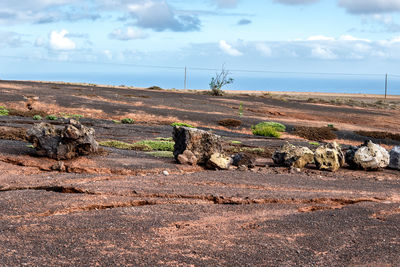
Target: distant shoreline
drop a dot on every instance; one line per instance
(230, 92)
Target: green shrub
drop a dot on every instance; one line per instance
(263, 129)
(37, 117)
(268, 131)
(127, 121)
(3, 111)
(51, 117)
(314, 143)
(177, 124)
(71, 116)
(116, 121)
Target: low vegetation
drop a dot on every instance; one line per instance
(51, 117)
(220, 80)
(3, 111)
(269, 129)
(127, 121)
(37, 117)
(145, 145)
(71, 116)
(181, 124)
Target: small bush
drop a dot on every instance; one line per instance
(230, 123)
(178, 124)
(51, 117)
(127, 121)
(276, 125)
(71, 116)
(37, 117)
(268, 131)
(3, 111)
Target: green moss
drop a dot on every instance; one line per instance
(116, 121)
(51, 117)
(145, 145)
(127, 121)
(161, 154)
(3, 111)
(37, 117)
(236, 142)
(123, 145)
(71, 116)
(177, 124)
(158, 145)
(314, 143)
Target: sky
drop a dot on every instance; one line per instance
(109, 36)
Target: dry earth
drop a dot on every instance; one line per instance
(116, 208)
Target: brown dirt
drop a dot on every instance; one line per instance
(230, 123)
(12, 133)
(380, 135)
(315, 133)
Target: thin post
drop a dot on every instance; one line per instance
(386, 84)
(185, 79)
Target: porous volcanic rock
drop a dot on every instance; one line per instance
(200, 143)
(395, 158)
(293, 156)
(73, 140)
(368, 156)
(187, 158)
(329, 157)
(243, 159)
(219, 161)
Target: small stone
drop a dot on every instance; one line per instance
(59, 166)
(243, 168)
(219, 161)
(166, 173)
(243, 159)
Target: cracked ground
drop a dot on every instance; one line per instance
(116, 208)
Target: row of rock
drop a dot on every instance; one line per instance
(368, 156)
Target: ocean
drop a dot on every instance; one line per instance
(169, 79)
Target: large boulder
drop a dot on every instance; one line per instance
(368, 156)
(198, 144)
(329, 157)
(293, 156)
(395, 158)
(71, 141)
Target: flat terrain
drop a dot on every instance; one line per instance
(117, 208)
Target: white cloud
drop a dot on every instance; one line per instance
(228, 49)
(370, 6)
(264, 49)
(320, 38)
(322, 53)
(352, 38)
(128, 34)
(108, 54)
(59, 41)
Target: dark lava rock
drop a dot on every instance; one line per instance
(243, 159)
(200, 143)
(395, 158)
(73, 140)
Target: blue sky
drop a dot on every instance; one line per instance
(354, 36)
